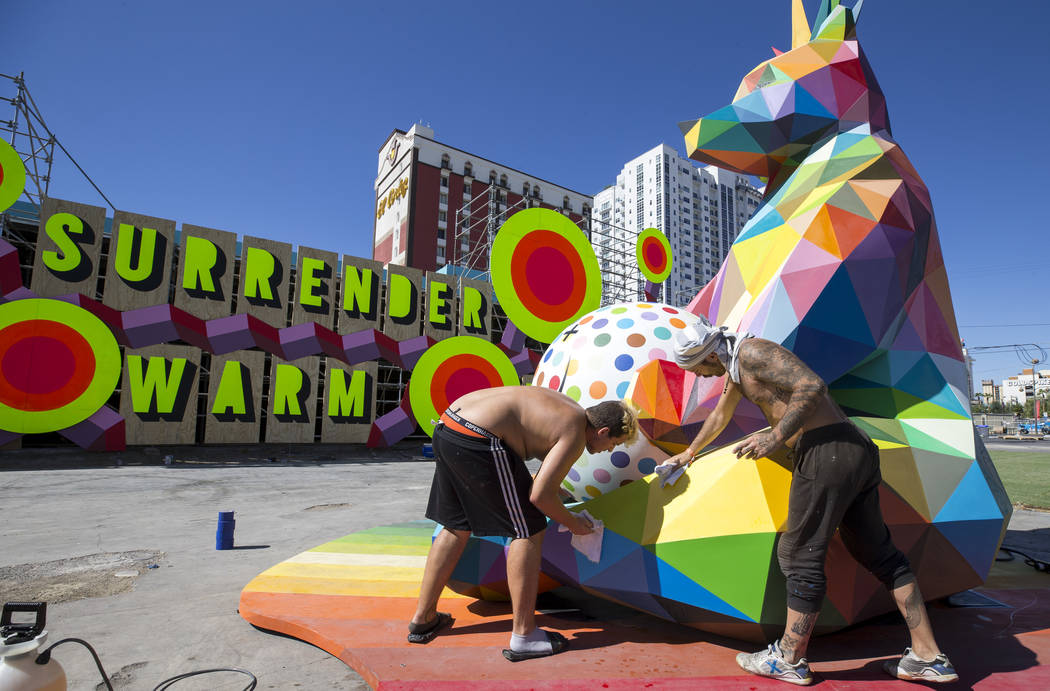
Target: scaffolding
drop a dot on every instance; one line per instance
(479, 219)
(33, 140)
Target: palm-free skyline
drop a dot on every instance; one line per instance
(265, 118)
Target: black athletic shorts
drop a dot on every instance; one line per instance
(480, 485)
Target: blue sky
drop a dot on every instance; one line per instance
(265, 118)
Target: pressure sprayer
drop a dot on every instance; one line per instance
(23, 667)
(19, 641)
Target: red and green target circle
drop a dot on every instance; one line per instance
(544, 272)
(454, 367)
(58, 365)
(654, 255)
(12, 175)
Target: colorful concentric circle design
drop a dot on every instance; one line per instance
(12, 175)
(58, 365)
(454, 367)
(654, 255)
(544, 272)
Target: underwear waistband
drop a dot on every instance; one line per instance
(459, 424)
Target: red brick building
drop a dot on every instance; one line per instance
(436, 204)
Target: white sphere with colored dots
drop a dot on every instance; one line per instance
(594, 360)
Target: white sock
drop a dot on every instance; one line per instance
(535, 642)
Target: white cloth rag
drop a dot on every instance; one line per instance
(589, 545)
(669, 474)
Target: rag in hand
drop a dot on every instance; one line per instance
(589, 545)
(669, 474)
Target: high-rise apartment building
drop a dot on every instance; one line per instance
(700, 210)
(438, 205)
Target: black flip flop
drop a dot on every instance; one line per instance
(558, 644)
(424, 633)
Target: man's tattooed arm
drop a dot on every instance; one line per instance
(780, 369)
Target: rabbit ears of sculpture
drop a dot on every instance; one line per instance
(834, 21)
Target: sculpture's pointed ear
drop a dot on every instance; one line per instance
(836, 22)
(800, 30)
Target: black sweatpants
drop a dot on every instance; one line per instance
(835, 485)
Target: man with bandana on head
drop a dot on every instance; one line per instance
(834, 485)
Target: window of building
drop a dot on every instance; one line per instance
(565, 202)
(445, 163)
(442, 216)
(524, 189)
(492, 177)
(443, 198)
(444, 181)
(468, 169)
(502, 180)
(441, 233)
(536, 194)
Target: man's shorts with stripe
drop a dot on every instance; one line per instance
(480, 485)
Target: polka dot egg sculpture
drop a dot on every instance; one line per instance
(594, 360)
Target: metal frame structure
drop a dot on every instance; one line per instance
(26, 132)
(614, 246)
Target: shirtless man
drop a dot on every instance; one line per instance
(481, 485)
(834, 485)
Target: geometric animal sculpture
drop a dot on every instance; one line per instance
(594, 359)
(842, 265)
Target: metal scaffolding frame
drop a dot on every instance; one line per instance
(614, 246)
(34, 142)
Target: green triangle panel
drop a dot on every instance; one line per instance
(880, 429)
(874, 402)
(623, 511)
(733, 568)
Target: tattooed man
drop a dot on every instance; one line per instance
(834, 485)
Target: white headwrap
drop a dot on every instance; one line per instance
(696, 342)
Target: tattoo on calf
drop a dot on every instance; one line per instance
(913, 609)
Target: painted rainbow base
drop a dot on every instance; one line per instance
(353, 597)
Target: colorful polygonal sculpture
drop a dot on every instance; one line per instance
(672, 405)
(594, 359)
(842, 265)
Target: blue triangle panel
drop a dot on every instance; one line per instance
(976, 541)
(760, 224)
(615, 547)
(674, 585)
(625, 575)
(838, 312)
(830, 356)
(806, 104)
(971, 500)
(752, 108)
(780, 321)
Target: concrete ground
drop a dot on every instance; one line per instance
(123, 548)
(77, 524)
